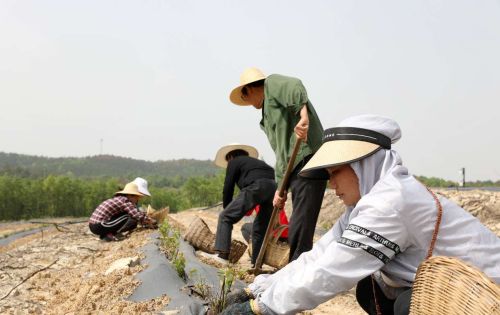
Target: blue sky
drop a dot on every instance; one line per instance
(152, 78)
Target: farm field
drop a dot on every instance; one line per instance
(63, 269)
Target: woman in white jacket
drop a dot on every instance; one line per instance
(386, 231)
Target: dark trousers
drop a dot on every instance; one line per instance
(260, 192)
(364, 295)
(246, 231)
(307, 197)
(119, 223)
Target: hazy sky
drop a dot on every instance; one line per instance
(152, 78)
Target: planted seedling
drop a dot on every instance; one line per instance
(170, 242)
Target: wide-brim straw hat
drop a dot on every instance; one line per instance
(220, 157)
(130, 189)
(248, 76)
(343, 145)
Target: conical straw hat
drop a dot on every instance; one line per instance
(220, 157)
(130, 189)
(248, 76)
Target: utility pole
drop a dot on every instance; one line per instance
(462, 172)
(100, 151)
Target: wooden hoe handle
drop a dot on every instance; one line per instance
(258, 264)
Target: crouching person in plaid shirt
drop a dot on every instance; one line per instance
(119, 214)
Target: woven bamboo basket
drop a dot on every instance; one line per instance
(446, 285)
(159, 215)
(277, 253)
(237, 250)
(200, 237)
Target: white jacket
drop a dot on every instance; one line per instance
(390, 230)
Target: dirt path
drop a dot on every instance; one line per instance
(76, 282)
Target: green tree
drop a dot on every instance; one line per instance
(202, 191)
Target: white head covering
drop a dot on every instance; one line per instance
(372, 168)
(380, 124)
(354, 139)
(142, 185)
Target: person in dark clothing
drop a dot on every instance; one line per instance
(255, 179)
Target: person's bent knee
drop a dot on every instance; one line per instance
(130, 225)
(223, 218)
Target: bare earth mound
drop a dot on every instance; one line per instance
(76, 281)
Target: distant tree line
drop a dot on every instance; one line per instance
(33, 187)
(172, 173)
(59, 195)
(439, 182)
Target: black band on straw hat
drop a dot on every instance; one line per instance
(359, 134)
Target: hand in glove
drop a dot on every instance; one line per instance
(239, 309)
(239, 296)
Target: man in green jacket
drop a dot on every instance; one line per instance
(286, 110)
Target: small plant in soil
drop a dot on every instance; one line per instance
(218, 300)
(327, 225)
(170, 242)
(201, 286)
(179, 263)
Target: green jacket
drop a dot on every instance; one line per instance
(284, 97)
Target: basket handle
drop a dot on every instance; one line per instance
(278, 232)
(436, 226)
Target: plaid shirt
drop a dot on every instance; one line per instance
(113, 206)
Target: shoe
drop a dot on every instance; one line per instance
(109, 238)
(120, 236)
(215, 257)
